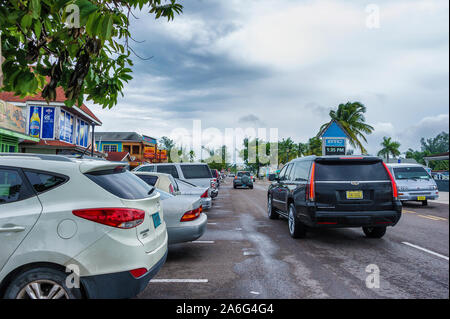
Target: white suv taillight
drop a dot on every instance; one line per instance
(124, 218)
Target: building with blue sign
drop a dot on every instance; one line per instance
(53, 127)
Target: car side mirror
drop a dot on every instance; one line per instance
(273, 177)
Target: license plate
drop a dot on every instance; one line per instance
(355, 195)
(421, 198)
(156, 220)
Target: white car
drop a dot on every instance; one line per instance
(88, 216)
(175, 187)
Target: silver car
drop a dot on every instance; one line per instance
(184, 217)
(198, 174)
(414, 183)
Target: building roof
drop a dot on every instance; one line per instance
(117, 156)
(334, 129)
(118, 136)
(55, 144)
(438, 157)
(60, 98)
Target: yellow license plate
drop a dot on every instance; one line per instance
(355, 195)
(421, 198)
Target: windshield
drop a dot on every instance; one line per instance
(411, 173)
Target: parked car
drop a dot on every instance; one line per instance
(414, 183)
(183, 216)
(216, 176)
(198, 174)
(243, 179)
(58, 212)
(170, 185)
(332, 191)
(187, 188)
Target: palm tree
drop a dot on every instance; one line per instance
(389, 148)
(351, 117)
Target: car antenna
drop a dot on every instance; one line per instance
(85, 150)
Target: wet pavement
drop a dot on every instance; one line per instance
(246, 255)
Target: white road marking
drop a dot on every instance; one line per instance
(203, 242)
(212, 223)
(254, 292)
(179, 280)
(425, 250)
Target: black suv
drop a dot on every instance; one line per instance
(332, 191)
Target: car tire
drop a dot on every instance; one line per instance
(270, 210)
(234, 186)
(296, 228)
(48, 282)
(374, 232)
(425, 203)
(251, 187)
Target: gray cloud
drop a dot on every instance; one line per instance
(287, 63)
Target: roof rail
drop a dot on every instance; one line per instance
(59, 158)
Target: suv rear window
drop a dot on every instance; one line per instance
(243, 173)
(196, 171)
(121, 183)
(359, 171)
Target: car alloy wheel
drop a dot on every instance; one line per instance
(42, 289)
(269, 206)
(291, 220)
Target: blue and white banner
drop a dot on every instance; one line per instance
(48, 122)
(335, 142)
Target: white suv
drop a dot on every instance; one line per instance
(64, 219)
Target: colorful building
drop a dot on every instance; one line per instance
(12, 128)
(53, 128)
(142, 149)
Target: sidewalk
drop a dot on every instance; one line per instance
(443, 198)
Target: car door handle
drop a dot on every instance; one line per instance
(14, 229)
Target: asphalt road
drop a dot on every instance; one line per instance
(245, 255)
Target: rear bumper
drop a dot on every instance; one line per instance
(414, 197)
(189, 231)
(336, 219)
(119, 285)
(206, 202)
(239, 183)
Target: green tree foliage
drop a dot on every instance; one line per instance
(80, 45)
(431, 146)
(389, 147)
(352, 119)
(168, 144)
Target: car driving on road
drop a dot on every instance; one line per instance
(414, 183)
(332, 191)
(90, 215)
(243, 179)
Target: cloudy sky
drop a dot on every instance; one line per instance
(285, 63)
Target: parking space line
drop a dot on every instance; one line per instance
(425, 250)
(430, 217)
(409, 211)
(179, 280)
(203, 242)
(212, 223)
